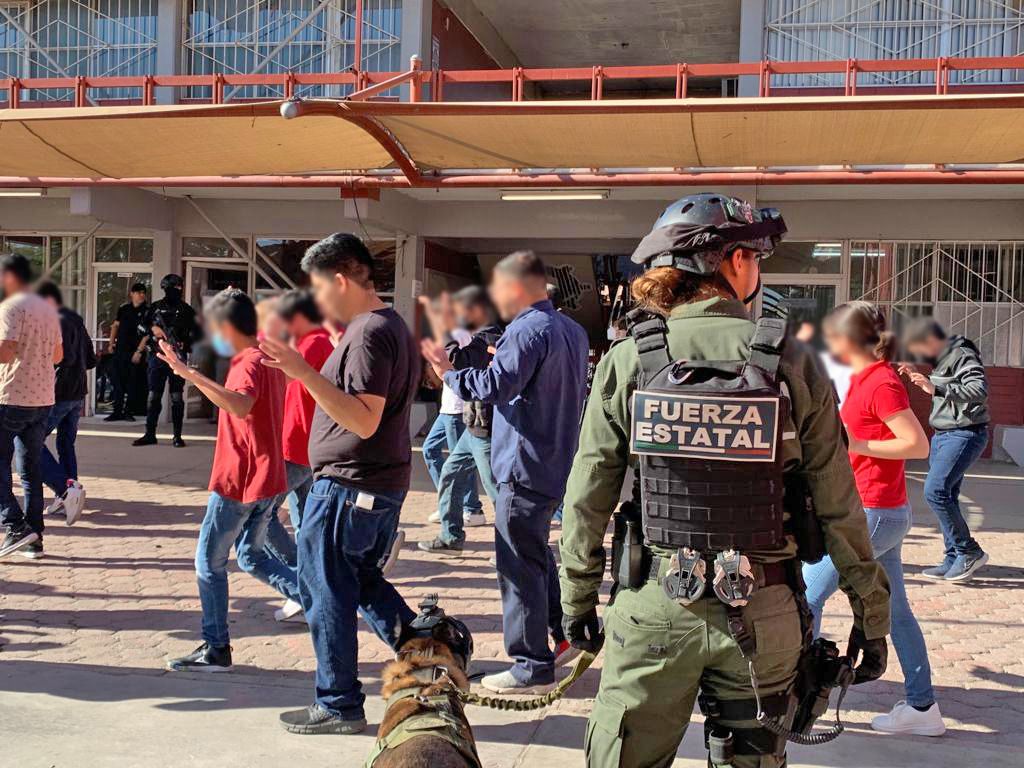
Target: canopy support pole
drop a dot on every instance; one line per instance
(240, 252)
(72, 250)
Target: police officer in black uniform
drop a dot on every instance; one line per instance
(173, 320)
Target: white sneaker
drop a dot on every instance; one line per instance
(505, 682)
(474, 519)
(435, 517)
(396, 550)
(74, 501)
(56, 507)
(290, 611)
(905, 719)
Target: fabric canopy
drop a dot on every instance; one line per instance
(339, 137)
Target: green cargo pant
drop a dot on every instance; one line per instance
(658, 655)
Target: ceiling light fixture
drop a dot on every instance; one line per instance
(22, 192)
(529, 195)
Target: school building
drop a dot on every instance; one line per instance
(219, 138)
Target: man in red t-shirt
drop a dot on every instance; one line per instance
(304, 324)
(248, 472)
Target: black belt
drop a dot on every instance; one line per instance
(772, 573)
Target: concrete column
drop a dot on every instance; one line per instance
(409, 274)
(752, 21)
(169, 28)
(416, 29)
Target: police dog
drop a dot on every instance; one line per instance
(427, 720)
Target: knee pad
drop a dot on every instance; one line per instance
(154, 399)
(177, 398)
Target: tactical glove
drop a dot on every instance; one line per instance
(875, 655)
(584, 632)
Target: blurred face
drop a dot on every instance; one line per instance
(337, 297)
(509, 295)
(138, 298)
(49, 300)
(11, 284)
(469, 316)
(839, 346)
(929, 348)
(225, 338)
(274, 327)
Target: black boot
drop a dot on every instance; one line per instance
(177, 418)
(146, 439)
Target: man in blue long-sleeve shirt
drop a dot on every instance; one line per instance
(537, 382)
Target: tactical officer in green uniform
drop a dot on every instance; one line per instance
(737, 442)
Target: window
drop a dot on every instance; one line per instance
(273, 36)
(806, 259)
(824, 30)
(95, 38)
(137, 250)
(44, 251)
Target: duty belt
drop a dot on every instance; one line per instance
(767, 574)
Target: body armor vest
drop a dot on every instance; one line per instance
(708, 435)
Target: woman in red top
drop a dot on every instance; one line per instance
(883, 432)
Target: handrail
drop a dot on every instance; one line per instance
(373, 83)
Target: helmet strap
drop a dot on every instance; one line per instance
(757, 291)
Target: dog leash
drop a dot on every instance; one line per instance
(539, 702)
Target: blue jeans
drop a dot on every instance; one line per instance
(280, 543)
(528, 580)
(444, 434)
(230, 522)
(458, 480)
(22, 431)
(340, 548)
(887, 527)
(56, 472)
(953, 452)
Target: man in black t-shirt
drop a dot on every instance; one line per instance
(125, 335)
(360, 451)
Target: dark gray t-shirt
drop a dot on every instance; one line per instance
(376, 356)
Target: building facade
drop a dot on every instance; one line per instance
(953, 251)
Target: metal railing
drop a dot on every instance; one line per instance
(221, 87)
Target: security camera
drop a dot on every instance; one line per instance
(292, 108)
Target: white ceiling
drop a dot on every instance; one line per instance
(575, 33)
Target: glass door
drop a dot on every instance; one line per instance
(203, 281)
(111, 286)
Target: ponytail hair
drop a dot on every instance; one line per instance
(864, 324)
(660, 289)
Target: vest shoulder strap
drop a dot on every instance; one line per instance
(650, 332)
(767, 343)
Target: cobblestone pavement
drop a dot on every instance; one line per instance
(116, 594)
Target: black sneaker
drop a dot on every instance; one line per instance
(440, 548)
(33, 551)
(145, 440)
(315, 720)
(205, 658)
(178, 442)
(127, 417)
(17, 538)
(114, 417)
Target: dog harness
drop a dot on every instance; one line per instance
(439, 718)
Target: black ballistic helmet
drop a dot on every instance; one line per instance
(433, 622)
(172, 282)
(696, 233)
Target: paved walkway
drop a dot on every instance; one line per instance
(84, 634)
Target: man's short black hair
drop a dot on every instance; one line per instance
(17, 265)
(138, 288)
(341, 253)
(920, 329)
(49, 290)
(298, 302)
(234, 307)
(525, 266)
